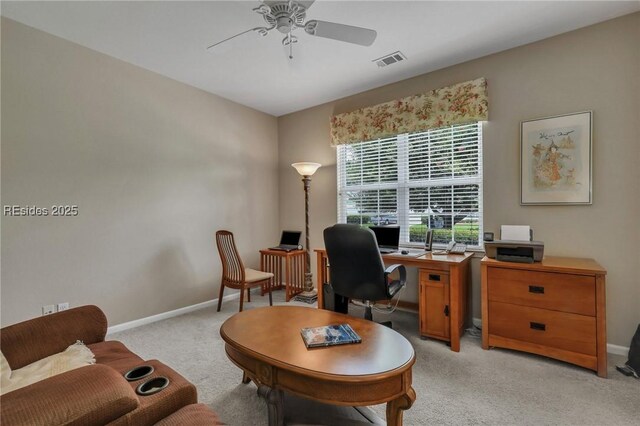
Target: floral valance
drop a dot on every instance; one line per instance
(461, 103)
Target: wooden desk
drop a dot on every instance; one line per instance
(554, 308)
(444, 289)
(294, 269)
(273, 355)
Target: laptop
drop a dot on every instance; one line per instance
(388, 238)
(289, 241)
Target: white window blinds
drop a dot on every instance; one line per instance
(426, 180)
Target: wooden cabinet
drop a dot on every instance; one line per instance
(554, 308)
(434, 304)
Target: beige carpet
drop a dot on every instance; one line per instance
(472, 387)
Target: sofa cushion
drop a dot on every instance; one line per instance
(37, 338)
(91, 395)
(191, 415)
(75, 356)
(115, 355)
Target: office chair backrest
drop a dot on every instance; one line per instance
(232, 267)
(356, 269)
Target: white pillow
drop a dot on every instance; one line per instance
(75, 356)
(5, 372)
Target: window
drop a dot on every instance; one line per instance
(419, 181)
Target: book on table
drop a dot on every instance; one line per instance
(329, 335)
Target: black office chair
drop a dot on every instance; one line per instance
(356, 269)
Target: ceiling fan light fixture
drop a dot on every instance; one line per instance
(284, 24)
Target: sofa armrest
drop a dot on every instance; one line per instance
(31, 340)
(91, 395)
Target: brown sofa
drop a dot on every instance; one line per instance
(96, 394)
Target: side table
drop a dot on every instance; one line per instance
(294, 269)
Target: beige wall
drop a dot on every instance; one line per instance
(595, 68)
(155, 167)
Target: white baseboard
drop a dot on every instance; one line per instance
(159, 317)
(611, 348)
(617, 349)
(477, 322)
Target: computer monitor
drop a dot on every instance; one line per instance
(388, 237)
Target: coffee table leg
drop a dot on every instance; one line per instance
(275, 404)
(396, 407)
(245, 378)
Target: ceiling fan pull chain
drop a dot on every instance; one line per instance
(290, 47)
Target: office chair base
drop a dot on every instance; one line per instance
(368, 314)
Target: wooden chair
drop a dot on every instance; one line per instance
(234, 274)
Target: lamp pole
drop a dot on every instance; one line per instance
(306, 170)
(308, 276)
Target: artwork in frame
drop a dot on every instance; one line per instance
(555, 160)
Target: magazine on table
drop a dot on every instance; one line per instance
(329, 335)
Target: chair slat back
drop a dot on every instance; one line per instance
(232, 266)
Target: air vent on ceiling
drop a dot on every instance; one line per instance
(389, 59)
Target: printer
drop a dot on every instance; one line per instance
(522, 250)
(515, 251)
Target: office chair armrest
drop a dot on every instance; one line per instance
(391, 269)
(395, 285)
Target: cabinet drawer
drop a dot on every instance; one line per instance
(571, 332)
(559, 292)
(428, 276)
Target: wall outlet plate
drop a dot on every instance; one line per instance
(48, 309)
(63, 306)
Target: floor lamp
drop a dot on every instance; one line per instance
(306, 170)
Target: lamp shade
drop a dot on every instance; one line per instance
(306, 168)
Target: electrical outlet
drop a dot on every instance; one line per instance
(63, 306)
(48, 309)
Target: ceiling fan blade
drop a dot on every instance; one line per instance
(306, 3)
(260, 30)
(341, 32)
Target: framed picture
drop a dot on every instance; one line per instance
(555, 160)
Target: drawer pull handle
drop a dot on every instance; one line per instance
(434, 277)
(536, 289)
(537, 326)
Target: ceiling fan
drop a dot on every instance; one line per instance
(288, 16)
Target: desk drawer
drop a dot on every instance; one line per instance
(571, 332)
(435, 277)
(559, 292)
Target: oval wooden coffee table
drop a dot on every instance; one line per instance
(266, 344)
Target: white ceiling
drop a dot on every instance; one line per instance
(170, 38)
